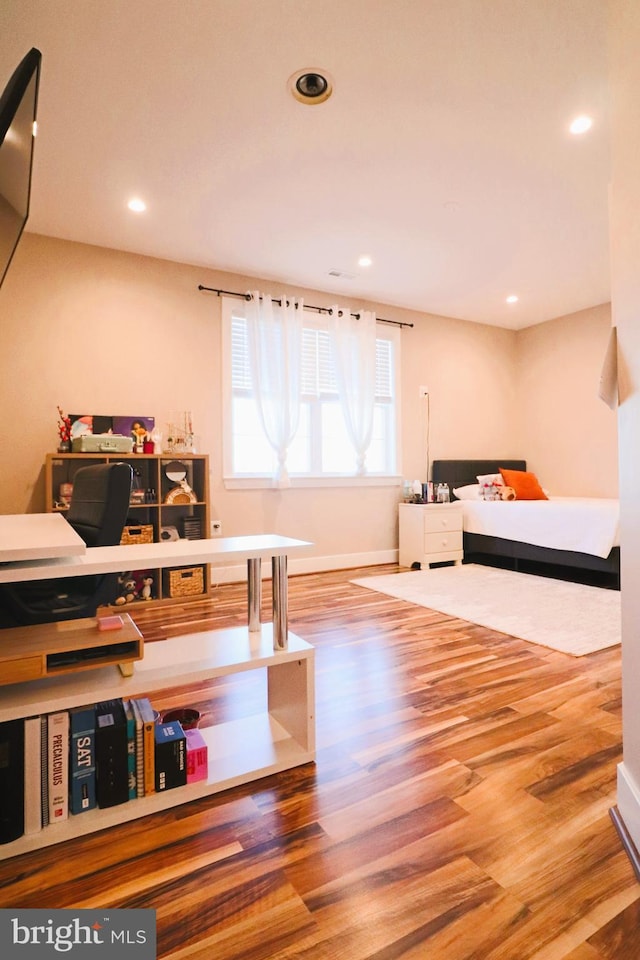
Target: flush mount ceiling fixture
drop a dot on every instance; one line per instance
(310, 86)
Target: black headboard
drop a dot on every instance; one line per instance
(457, 473)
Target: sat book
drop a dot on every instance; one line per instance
(82, 759)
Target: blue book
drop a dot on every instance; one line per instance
(170, 756)
(82, 760)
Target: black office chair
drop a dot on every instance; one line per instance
(98, 513)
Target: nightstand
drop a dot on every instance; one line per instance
(430, 533)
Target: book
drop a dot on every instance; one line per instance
(131, 749)
(44, 771)
(112, 773)
(11, 780)
(148, 724)
(32, 773)
(171, 756)
(197, 756)
(58, 765)
(82, 759)
(139, 748)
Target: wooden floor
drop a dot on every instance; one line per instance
(458, 810)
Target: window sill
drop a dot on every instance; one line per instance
(301, 483)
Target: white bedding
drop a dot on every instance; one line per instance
(584, 524)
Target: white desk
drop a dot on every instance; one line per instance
(38, 536)
(138, 556)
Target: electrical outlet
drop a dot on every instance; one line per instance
(216, 528)
(423, 392)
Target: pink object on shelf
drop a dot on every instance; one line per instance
(197, 756)
(110, 623)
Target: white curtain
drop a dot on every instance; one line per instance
(354, 347)
(275, 351)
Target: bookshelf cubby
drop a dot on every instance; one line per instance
(279, 737)
(157, 504)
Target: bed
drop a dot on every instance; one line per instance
(577, 537)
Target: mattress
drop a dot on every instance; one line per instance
(582, 524)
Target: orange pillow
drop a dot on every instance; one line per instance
(525, 484)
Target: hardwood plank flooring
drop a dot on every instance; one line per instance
(458, 809)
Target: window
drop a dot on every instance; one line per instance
(321, 448)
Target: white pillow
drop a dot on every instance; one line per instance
(470, 492)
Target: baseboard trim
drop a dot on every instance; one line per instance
(299, 565)
(626, 815)
(625, 838)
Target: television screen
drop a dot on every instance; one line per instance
(17, 130)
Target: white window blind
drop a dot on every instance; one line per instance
(321, 447)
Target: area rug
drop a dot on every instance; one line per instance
(570, 617)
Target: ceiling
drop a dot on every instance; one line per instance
(443, 153)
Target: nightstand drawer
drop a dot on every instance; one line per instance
(442, 518)
(443, 542)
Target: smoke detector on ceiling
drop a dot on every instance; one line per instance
(342, 274)
(310, 86)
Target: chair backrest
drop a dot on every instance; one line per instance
(100, 503)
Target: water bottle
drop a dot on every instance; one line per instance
(443, 493)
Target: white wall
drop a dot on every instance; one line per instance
(568, 434)
(624, 40)
(101, 331)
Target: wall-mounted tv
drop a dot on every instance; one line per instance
(18, 105)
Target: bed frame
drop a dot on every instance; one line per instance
(570, 564)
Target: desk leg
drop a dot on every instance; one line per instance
(280, 612)
(254, 592)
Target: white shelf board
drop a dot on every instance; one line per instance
(166, 663)
(240, 751)
(139, 556)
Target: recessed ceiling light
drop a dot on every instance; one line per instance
(137, 205)
(365, 261)
(581, 124)
(512, 298)
(310, 86)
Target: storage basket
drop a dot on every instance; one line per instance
(141, 534)
(186, 582)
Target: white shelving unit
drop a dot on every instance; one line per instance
(280, 737)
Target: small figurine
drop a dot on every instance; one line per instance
(147, 584)
(127, 589)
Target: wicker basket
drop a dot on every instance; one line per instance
(141, 534)
(186, 582)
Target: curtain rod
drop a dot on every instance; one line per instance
(247, 296)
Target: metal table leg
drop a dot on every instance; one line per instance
(254, 592)
(280, 602)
